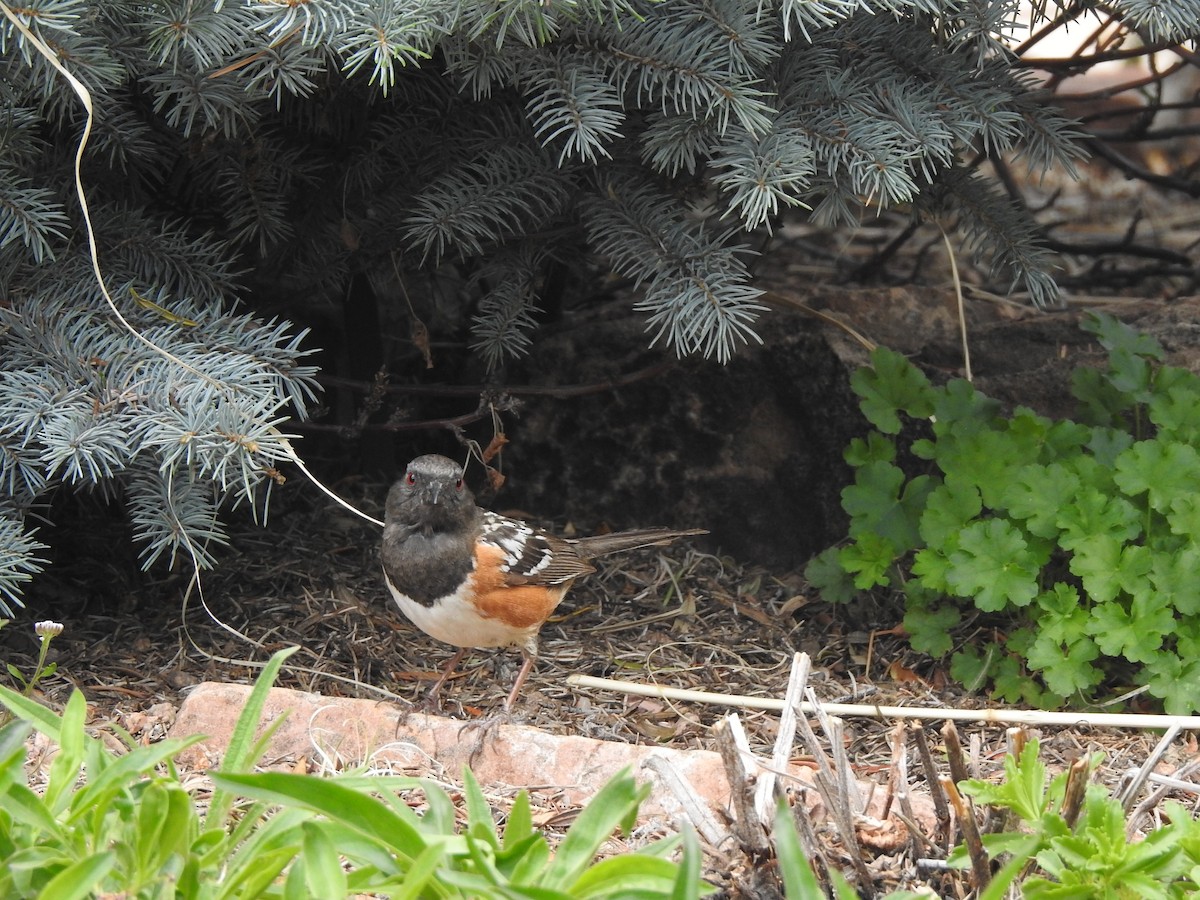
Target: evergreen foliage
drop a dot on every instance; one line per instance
(279, 148)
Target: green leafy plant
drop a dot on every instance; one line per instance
(1078, 537)
(1049, 851)
(125, 824)
(46, 632)
(1091, 857)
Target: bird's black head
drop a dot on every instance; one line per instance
(431, 496)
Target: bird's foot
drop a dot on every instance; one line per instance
(487, 729)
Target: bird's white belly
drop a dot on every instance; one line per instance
(455, 621)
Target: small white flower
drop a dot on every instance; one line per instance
(48, 629)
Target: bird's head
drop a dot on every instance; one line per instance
(431, 495)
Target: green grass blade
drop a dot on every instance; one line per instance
(322, 867)
(123, 771)
(688, 883)
(520, 821)
(239, 755)
(611, 807)
(64, 770)
(479, 812)
(347, 806)
(29, 809)
(79, 879)
(32, 712)
(420, 874)
(799, 880)
(619, 875)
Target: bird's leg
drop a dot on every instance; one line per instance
(430, 700)
(526, 667)
(489, 727)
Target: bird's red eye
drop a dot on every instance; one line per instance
(458, 485)
(410, 479)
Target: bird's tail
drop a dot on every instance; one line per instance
(602, 544)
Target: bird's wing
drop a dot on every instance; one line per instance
(531, 556)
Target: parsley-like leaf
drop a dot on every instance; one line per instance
(1163, 470)
(891, 385)
(994, 564)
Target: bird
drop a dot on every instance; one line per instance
(473, 578)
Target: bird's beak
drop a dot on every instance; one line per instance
(434, 490)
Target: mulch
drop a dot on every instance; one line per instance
(674, 616)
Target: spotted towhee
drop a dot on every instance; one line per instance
(474, 578)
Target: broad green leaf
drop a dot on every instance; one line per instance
(1063, 618)
(994, 566)
(881, 502)
(1012, 684)
(1131, 374)
(1037, 494)
(948, 509)
(1094, 515)
(1162, 470)
(868, 560)
(614, 805)
(1175, 409)
(875, 448)
(1183, 516)
(974, 669)
(322, 866)
(80, 879)
(931, 567)
(889, 386)
(1066, 665)
(1135, 633)
(930, 630)
(826, 573)
(1176, 683)
(1028, 432)
(1107, 567)
(1173, 576)
(985, 458)
(960, 410)
(1106, 444)
(352, 808)
(1100, 403)
(1065, 440)
(1114, 334)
